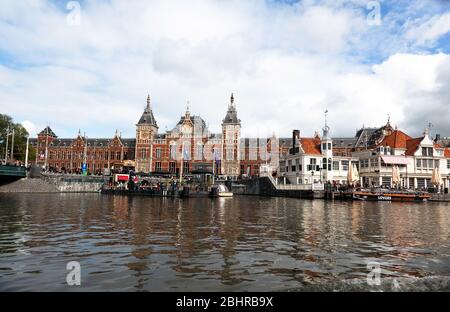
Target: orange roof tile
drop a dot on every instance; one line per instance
(447, 152)
(397, 139)
(311, 145)
(412, 145)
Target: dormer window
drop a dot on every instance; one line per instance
(427, 151)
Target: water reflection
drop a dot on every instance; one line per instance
(241, 243)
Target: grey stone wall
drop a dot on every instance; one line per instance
(55, 184)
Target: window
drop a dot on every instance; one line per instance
(172, 167)
(199, 152)
(427, 151)
(158, 153)
(324, 146)
(243, 170)
(329, 146)
(330, 161)
(143, 153)
(158, 166)
(173, 151)
(386, 181)
(374, 162)
(336, 165)
(230, 151)
(186, 167)
(419, 163)
(324, 163)
(345, 165)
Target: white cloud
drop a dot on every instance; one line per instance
(30, 127)
(286, 64)
(430, 31)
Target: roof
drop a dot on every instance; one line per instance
(447, 153)
(311, 146)
(412, 145)
(231, 116)
(98, 142)
(344, 142)
(48, 131)
(147, 117)
(397, 139)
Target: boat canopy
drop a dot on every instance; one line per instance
(222, 188)
(395, 160)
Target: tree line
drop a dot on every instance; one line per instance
(20, 140)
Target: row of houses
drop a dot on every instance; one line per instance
(374, 152)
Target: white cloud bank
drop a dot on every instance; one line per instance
(285, 63)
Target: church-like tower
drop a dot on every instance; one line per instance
(231, 137)
(146, 129)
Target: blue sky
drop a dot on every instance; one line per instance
(286, 62)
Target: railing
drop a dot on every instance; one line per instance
(14, 171)
(301, 187)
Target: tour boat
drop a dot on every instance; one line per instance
(390, 195)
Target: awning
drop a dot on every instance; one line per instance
(395, 160)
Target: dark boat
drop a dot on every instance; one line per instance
(390, 195)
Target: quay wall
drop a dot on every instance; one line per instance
(440, 198)
(55, 184)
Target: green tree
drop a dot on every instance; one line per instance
(20, 139)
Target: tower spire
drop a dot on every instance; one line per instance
(232, 99)
(148, 101)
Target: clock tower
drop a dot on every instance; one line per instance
(146, 129)
(231, 137)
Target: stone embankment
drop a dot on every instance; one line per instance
(55, 184)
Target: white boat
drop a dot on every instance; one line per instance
(222, 191)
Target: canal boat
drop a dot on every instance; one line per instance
(390, 195)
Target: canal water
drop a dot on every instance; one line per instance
(226, 244)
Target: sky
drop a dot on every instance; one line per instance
(89, 65)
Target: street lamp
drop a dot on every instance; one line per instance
(7, 143)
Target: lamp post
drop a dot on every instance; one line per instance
(26, 151)
(12, 145)
(6, 148)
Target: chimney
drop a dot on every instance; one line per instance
(438, 137)
(295, 138)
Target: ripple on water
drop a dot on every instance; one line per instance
(243, 243)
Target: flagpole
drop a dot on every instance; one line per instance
(181, 165)
(213, 165)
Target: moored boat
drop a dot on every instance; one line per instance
(390, 195)
(223, 191)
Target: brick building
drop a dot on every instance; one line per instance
(189, 146)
